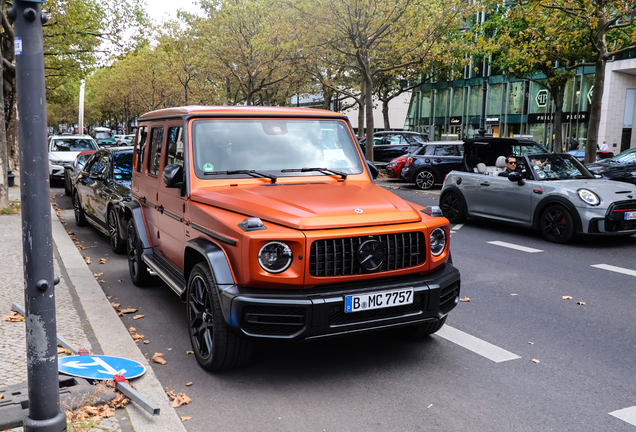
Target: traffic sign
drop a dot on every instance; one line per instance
(99, 367)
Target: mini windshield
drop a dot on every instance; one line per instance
(272, 146)
(527, 149)
(557, 167)
(73, 144)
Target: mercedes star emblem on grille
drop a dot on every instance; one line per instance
(370, 255)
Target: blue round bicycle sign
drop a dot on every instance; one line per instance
(99, 367)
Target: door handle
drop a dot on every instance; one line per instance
(485, 183)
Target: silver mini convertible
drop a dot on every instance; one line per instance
(551, 192)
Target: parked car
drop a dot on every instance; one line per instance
(101, 190)
(118, 138)
(621, 167)
(71, 171)
(553, 193)
(128, 139)
(64, 149)
(268, 224)
(580, 155)
(106, 142)
(388, 145)
(432, 163)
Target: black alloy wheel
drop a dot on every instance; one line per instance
(557, 225)
(138, 269)
(80, 217)
(424, 179)
(215, 346)
(453, 208)
(67, 184)
(116, 241)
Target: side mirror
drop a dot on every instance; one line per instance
(173, 175)
(373, 170)
(516, 176)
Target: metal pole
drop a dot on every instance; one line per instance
(80, 122)
(484, 90)
(37, 242)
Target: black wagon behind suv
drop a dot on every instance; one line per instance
(430, 165)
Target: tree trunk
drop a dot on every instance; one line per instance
(361, 110)
(558, 110)
(595, 110)
(385, 115)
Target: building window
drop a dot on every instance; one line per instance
(457, 104)
(495, 94)
(474, 100)
(441, 103)
(515, 98)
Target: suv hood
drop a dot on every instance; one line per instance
(312, 205)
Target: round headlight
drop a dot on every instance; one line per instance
(275, 257)
(588, 197)
(438, 241)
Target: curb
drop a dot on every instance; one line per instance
(113, 337)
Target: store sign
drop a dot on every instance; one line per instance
(540, 118)
(589, 95)
(542, 98)
(455, 120)
(575, 116)
(492, 119)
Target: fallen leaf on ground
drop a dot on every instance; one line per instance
(14, 317)
(123, 312)
(146, 341)
(158, 358)
(137, 337)
(81, 248)
(138, 316)
(580, 303)
(87, 259)
(132, 330)
(115, 305)
(103, 260)
(109, 297)
(189, 384)
(119, 280)
(536, 361)
(185, 418)
(465, 299)
(567, 297)
(178, 400)
(73, 238)
(189, 352)
(429, 406)
(101, 281)
(98, 274)
(513, 294)
(60, 350)
(530, 343)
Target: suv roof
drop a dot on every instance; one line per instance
(197, 110)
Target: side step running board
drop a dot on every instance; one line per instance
(166, 271)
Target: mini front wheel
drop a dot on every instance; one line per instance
(557, 225)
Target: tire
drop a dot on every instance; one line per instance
(67, 184)
(424, 179)
(557, 224)
(117, 243)
(420, 330)
(80, 217)
(215, 347)
(136, 266)
(453, 208)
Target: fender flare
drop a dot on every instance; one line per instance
(133, 210)
(578, 225)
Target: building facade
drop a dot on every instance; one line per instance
(514, 107)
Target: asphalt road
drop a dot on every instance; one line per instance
(571, 364)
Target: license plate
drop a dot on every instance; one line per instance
(357, 303)
(630, 215)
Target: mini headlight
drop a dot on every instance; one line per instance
(438, 241)
(275, 257)
(588, 197)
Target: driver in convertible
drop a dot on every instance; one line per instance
(511, 166)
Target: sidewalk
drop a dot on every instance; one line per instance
(84, 317)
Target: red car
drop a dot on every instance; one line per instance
(394, 168)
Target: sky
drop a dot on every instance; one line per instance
(158, 9)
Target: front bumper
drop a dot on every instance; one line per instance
(610, 221)
(319, 312)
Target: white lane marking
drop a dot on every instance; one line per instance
(626, 414)
(476, 345)
(615, 269)
(457, 227)
(514, 246)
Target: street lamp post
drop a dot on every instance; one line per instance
(484, 91)
(44, 413)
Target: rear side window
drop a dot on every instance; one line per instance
(174, 154)
(142, 139)
(447, 150)
(154, 153)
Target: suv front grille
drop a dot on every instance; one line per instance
(338, 257)
(615, 219)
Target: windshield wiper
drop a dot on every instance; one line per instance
(322, 170)
(253, 173)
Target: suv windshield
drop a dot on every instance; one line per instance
(272, 146)
(73, 144)
(558, 167)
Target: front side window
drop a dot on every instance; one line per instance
(174, 153)
(154, 153)
(273, 146)
(73, 144)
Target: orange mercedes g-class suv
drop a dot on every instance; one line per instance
(267, 222)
